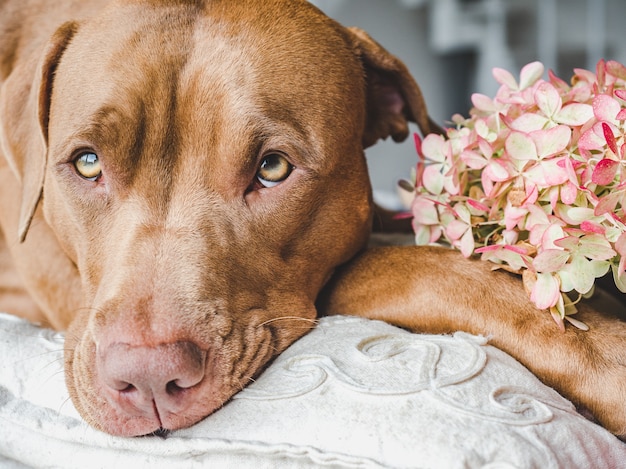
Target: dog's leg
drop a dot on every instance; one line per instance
(436, 290)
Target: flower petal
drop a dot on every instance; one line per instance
(432, 147)
(568, 193)
(577, 275)
(497, 172)
(552, 141)
(605, 108)
(545, 293)
(550, 260)
(616, 69)
(424, 211)
(548, 99)
(592, 227)
(591, 140)
(467, 244)
(604, 172)
(483, 103)
(574, 114)
(433, 179)
(521, 146)
(530, 73)
(504, 77)
(610, 138)
(529, 121)
(456, 229)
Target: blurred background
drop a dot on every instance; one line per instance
(450, 46)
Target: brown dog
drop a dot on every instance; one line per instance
(180, 179)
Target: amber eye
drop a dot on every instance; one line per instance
(88, 166)
(273, 170)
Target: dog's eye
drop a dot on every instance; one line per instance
(88, 166)
(273, 170)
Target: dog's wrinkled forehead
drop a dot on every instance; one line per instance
(214, 56)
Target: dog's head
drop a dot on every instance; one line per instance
(202, 164)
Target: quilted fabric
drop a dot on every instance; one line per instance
(352, 393)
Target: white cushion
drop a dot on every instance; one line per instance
(352, 393)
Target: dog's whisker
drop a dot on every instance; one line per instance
(289, 318)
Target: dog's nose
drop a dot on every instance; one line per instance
(148, 380)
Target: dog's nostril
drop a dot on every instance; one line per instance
(172, 388)
(126, 388)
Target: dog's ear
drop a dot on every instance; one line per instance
(24, 117)
(393, 96)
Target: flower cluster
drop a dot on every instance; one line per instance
(535, 181)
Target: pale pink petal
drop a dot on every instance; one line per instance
(530, 73)
(536, 216)
(547, 173)
(487, 184)
(591, 140)
(569, 192)
(621, 115)
(424, 211)
(620, 245)
(512, 216)
(433, 179)
(616, 69)
(573, 215)
(569, 243)
(595, 246)
(456, 229)
(548, 99)
(574, 114)
(504, 77)
(585, 75)
(605, 107)
(545, 293)
(485, 147)
(483, 103)
(607, 203)
(467, 244)
(496, 171)
(481, 127)
(551, 235)
(463, 213)
(554, 174)
(552, 141)
(424, 234)
(529, 121)
(510, 236)
(532, 194)
(433, 147)
(558, 82)
(521, 146)
(550, 260)
(621, 94)
(473, 159)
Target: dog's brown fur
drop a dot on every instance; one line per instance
(179, 276)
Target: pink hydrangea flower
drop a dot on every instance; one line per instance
(535, 181)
